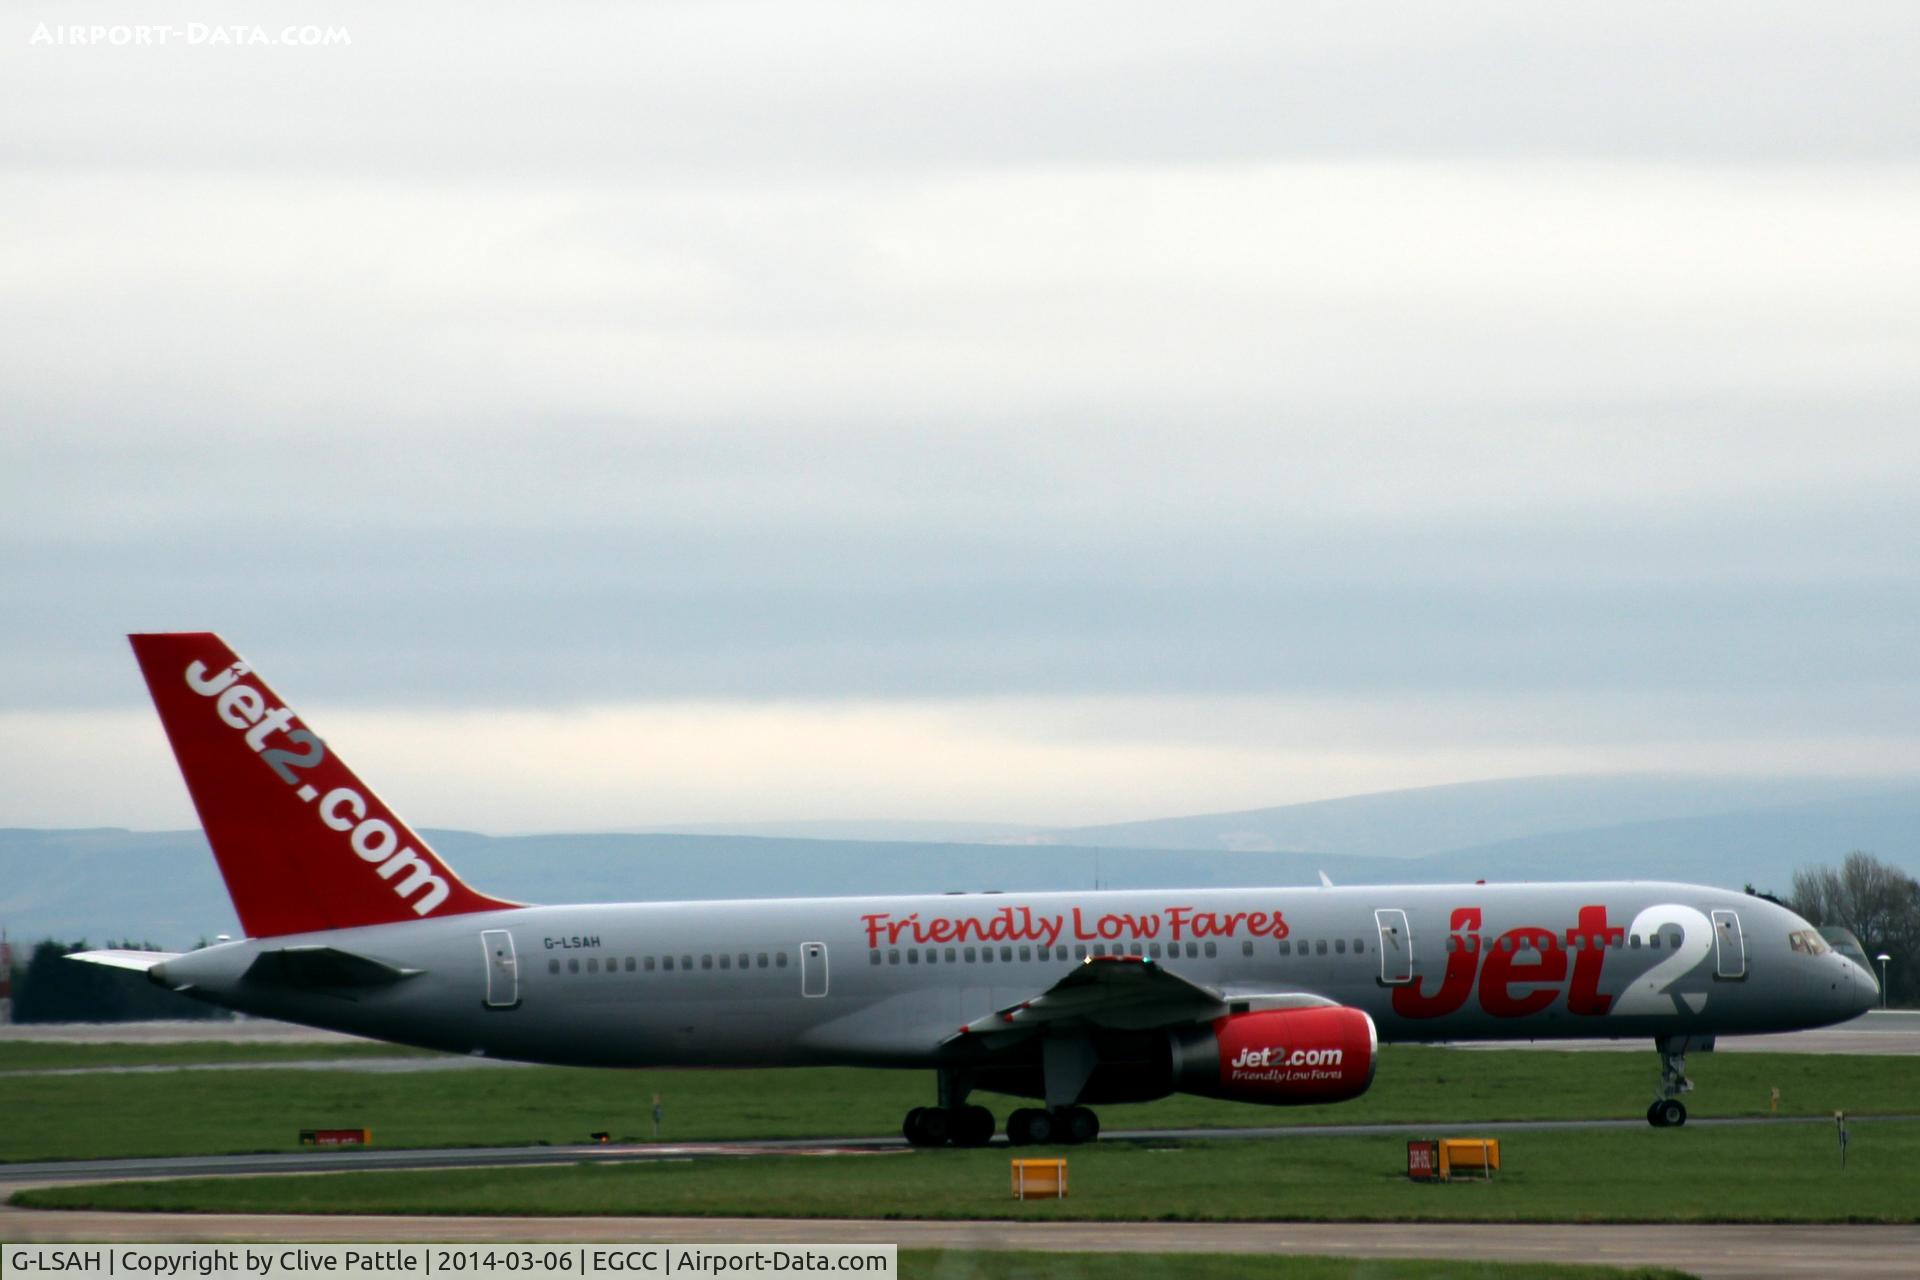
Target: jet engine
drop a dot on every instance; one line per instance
(1281, 1057)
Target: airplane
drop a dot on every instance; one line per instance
(1278, 996)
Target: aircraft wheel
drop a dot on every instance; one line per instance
(1029, 1127)
(1653, 1114)
(1672, 1113)
(973, 1127)
(1077, 1124)
(926, 1127)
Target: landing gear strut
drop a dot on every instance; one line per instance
(1667, 1111)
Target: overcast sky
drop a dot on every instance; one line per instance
(614, 416)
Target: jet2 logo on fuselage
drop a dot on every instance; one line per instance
(1524, 970)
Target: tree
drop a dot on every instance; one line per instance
(56, 989)
(1879, 903)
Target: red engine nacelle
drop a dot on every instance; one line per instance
(1281, 1057)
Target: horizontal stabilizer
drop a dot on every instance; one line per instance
(323, 967)
(138, 961)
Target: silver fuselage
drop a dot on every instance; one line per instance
(886, 981)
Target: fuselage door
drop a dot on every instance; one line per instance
(503, 970)
(1729, 947)
(1396, 946)
(813, 969)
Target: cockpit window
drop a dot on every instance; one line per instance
(1808, 941)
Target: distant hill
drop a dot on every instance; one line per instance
(111, 884)
(1409, 824)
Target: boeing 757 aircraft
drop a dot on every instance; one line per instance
(1275, 996)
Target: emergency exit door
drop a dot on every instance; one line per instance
(813, 969)
(1396, 946)
(1729, 946)
(503, 970)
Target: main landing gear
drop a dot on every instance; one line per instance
(944, 1126)
(1667, 1111)
(969, 1126)
(954, 1123)
(1030, 1126)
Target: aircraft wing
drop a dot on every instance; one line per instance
(1126, 993)
(139, 961)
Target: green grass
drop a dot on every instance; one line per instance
(1785, 1173)
(195, 1112)
(926, 1264)
(33, 1055)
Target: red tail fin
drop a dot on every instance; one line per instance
(301, 843)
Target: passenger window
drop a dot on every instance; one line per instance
(1633, 943)
(1320, 946)
(1212, 951)
(1246, 948)
(1340, 946)
(1080, 952)
(1359, 946)
(725, 962)
(913, 955)
(649, 964)
(1006, 954)
(761, 959)
(1134, 950)
(971, 955)
(706, 962)
(686, 962)
(1153, 950)
(629, 964)
(873, 957)
(667, 964)
(779, 959)
(893, 957)
(573, 966)
(950, 955)
(1026, 953)
(1653, 941)
(553, 966)
(593, 964)
(986, 954)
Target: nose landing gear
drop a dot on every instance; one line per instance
(1667, 1111)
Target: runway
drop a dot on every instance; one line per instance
(1708, 1250)
(14, 1177)
(1881, 1031)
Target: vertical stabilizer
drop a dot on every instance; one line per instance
(302, 843)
